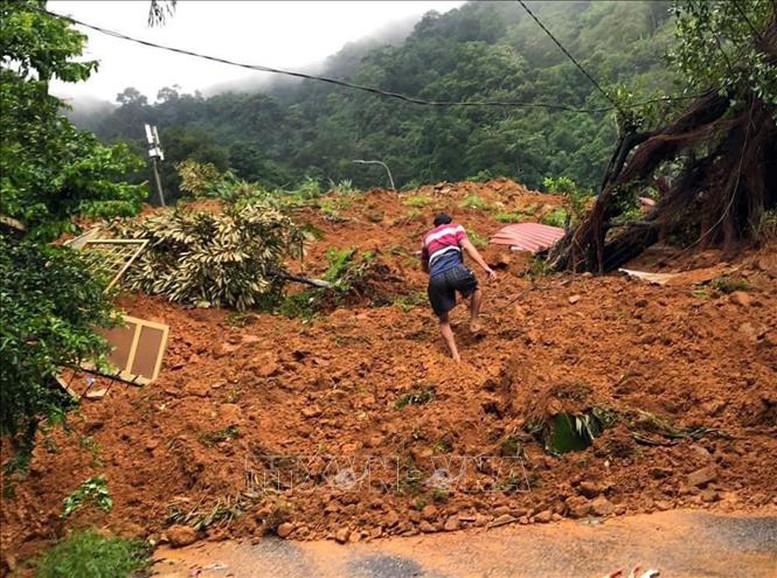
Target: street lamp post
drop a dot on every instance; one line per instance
(381, 163)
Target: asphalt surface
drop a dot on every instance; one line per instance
(680, 544)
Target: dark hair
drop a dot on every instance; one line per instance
(442, 219)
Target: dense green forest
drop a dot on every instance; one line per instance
(484, 51)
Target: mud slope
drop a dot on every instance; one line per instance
(356, 425)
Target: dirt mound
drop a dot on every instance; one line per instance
(356, 424)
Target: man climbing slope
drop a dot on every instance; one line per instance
(442, 257)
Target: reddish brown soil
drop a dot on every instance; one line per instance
(231, 394)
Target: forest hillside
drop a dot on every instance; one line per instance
(482, 52)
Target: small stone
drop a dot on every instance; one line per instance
(659, 473)
(391, 519)
(556, 517)
(269, 369)
(503, 520)
(285, 529)
(589, 489)
(701, 453)
(741, 298)
(641, 302)
(311, 411)
(429, 512)
(198, 389)
(703, 476)
(426, 527)
(180, 536)
(501, 511)
(341, 536)
(481, 520)
(663, 505)
(709, 495)
(544, 517)
(578, 506)
(601, 506)
(574, 299)
(376, 533)
(452, 524)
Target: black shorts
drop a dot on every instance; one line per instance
(442, 288)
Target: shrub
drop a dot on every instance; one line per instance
(417, 201)
(231, 259)
(575, 199)
(49, 306)
(92, 490)
(556, 219)
(89, 555)
(473, 202)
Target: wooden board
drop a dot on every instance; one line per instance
(137, 349)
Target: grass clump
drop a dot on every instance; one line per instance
(556, 218)
(416, 396)
(477, 240)
(417, 201)
(211, 438)
(728, 284)
(473, 202)
(89, 555)
(510, 217)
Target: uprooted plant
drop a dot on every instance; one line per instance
(233, 259)
(351, 279)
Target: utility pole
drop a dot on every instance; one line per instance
(157, 155)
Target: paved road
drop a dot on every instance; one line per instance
(680, 544)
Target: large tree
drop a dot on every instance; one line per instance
(51, 172)
(713, 163)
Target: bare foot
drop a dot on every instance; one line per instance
(457, 358)
(475, 327)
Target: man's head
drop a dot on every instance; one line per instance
(442, 219)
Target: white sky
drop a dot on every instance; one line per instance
(280, 34)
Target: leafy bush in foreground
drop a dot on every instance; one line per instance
(49, 306)
(89, 555)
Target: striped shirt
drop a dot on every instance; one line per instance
(442, 248)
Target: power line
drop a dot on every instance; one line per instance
(335, 81)
(572, 58)
(363, 88)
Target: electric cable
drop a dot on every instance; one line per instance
(572, 58)
(359, 87)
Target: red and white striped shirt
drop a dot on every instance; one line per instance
(442, 247)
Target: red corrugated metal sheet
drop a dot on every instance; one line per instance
(532, 237)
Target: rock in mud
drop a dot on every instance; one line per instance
(703, 476)
(311, 411)
(544, 517)
(578, 506)
(589, 489)
(601, 506)
(180, 536)
(503, 520)
(426, 527)
(285, 530)
(741, 298)
(429, 512)
(452, 524)
(342, 535)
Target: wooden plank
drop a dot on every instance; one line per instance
(143, 362)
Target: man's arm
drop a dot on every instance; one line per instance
(470, 249)
(423, 254)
